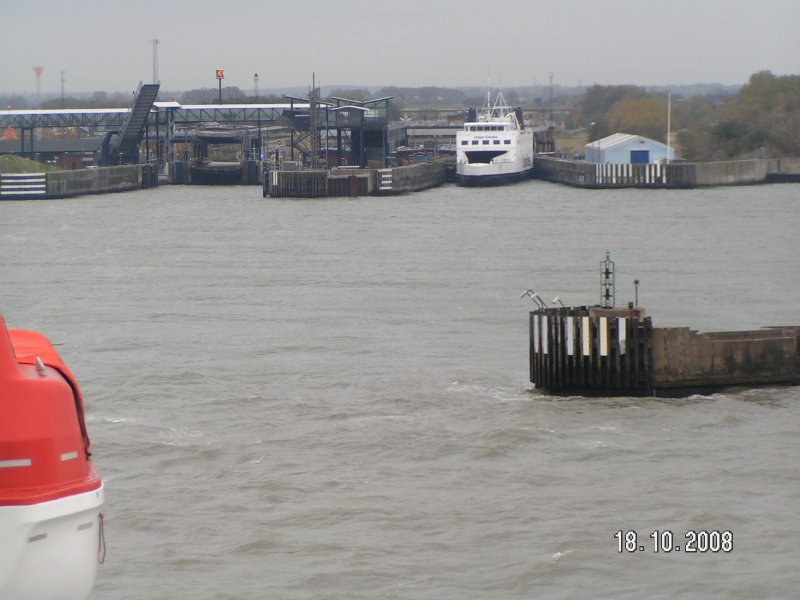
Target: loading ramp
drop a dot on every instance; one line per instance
(123, 147)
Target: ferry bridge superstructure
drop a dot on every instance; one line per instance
(166, 121)
(161, 113)
(359, 128)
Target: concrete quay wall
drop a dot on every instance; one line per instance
(64, 184)
(354, 182)
(734, 172)
(685, 358)
(418, 177)
(674, 175)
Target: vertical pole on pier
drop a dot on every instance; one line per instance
(155, 59)
(258, 115)
(312, 122)
(669, 124)
(158, 136)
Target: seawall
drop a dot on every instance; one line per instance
(64, 184)
(677, 175)
(354, 182)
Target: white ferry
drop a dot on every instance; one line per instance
(495, 148)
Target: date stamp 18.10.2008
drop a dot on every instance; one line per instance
(664, 541)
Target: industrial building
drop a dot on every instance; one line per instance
(625, 148)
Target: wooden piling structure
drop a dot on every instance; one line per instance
(296, 184)
(595, 351)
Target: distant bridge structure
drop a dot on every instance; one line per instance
(358, 129)
(161, 113)
(163, 121)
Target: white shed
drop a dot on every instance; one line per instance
(625, 148)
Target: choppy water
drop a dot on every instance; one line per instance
(300, 399)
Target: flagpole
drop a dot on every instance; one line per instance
(669, 124)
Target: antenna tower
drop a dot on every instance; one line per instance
(607, 288)
(38, 71)
(312, 111)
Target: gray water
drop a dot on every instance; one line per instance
(300, 399)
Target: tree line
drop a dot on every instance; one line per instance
(762, 119)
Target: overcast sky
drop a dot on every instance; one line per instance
(106, 44)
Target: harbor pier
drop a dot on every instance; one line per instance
(608, 350)
(65, 184)
(596, 351)
(316, 183)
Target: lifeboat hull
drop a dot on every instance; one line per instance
(50, 550)
(51, 529)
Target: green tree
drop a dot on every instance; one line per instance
(640, 115)
(764, 119)
(597, 103)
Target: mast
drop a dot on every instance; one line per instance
(669, 116)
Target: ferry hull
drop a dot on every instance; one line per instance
(490, 179)
(49, 551)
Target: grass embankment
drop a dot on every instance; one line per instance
(572, 141)
(10, 163)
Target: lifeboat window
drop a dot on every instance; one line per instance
(485, 142)
(464, 142)
(497, 141)
(507, 142)
(474, 142)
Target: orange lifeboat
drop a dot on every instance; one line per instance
(50, 493)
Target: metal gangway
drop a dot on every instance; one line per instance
(123, 147)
